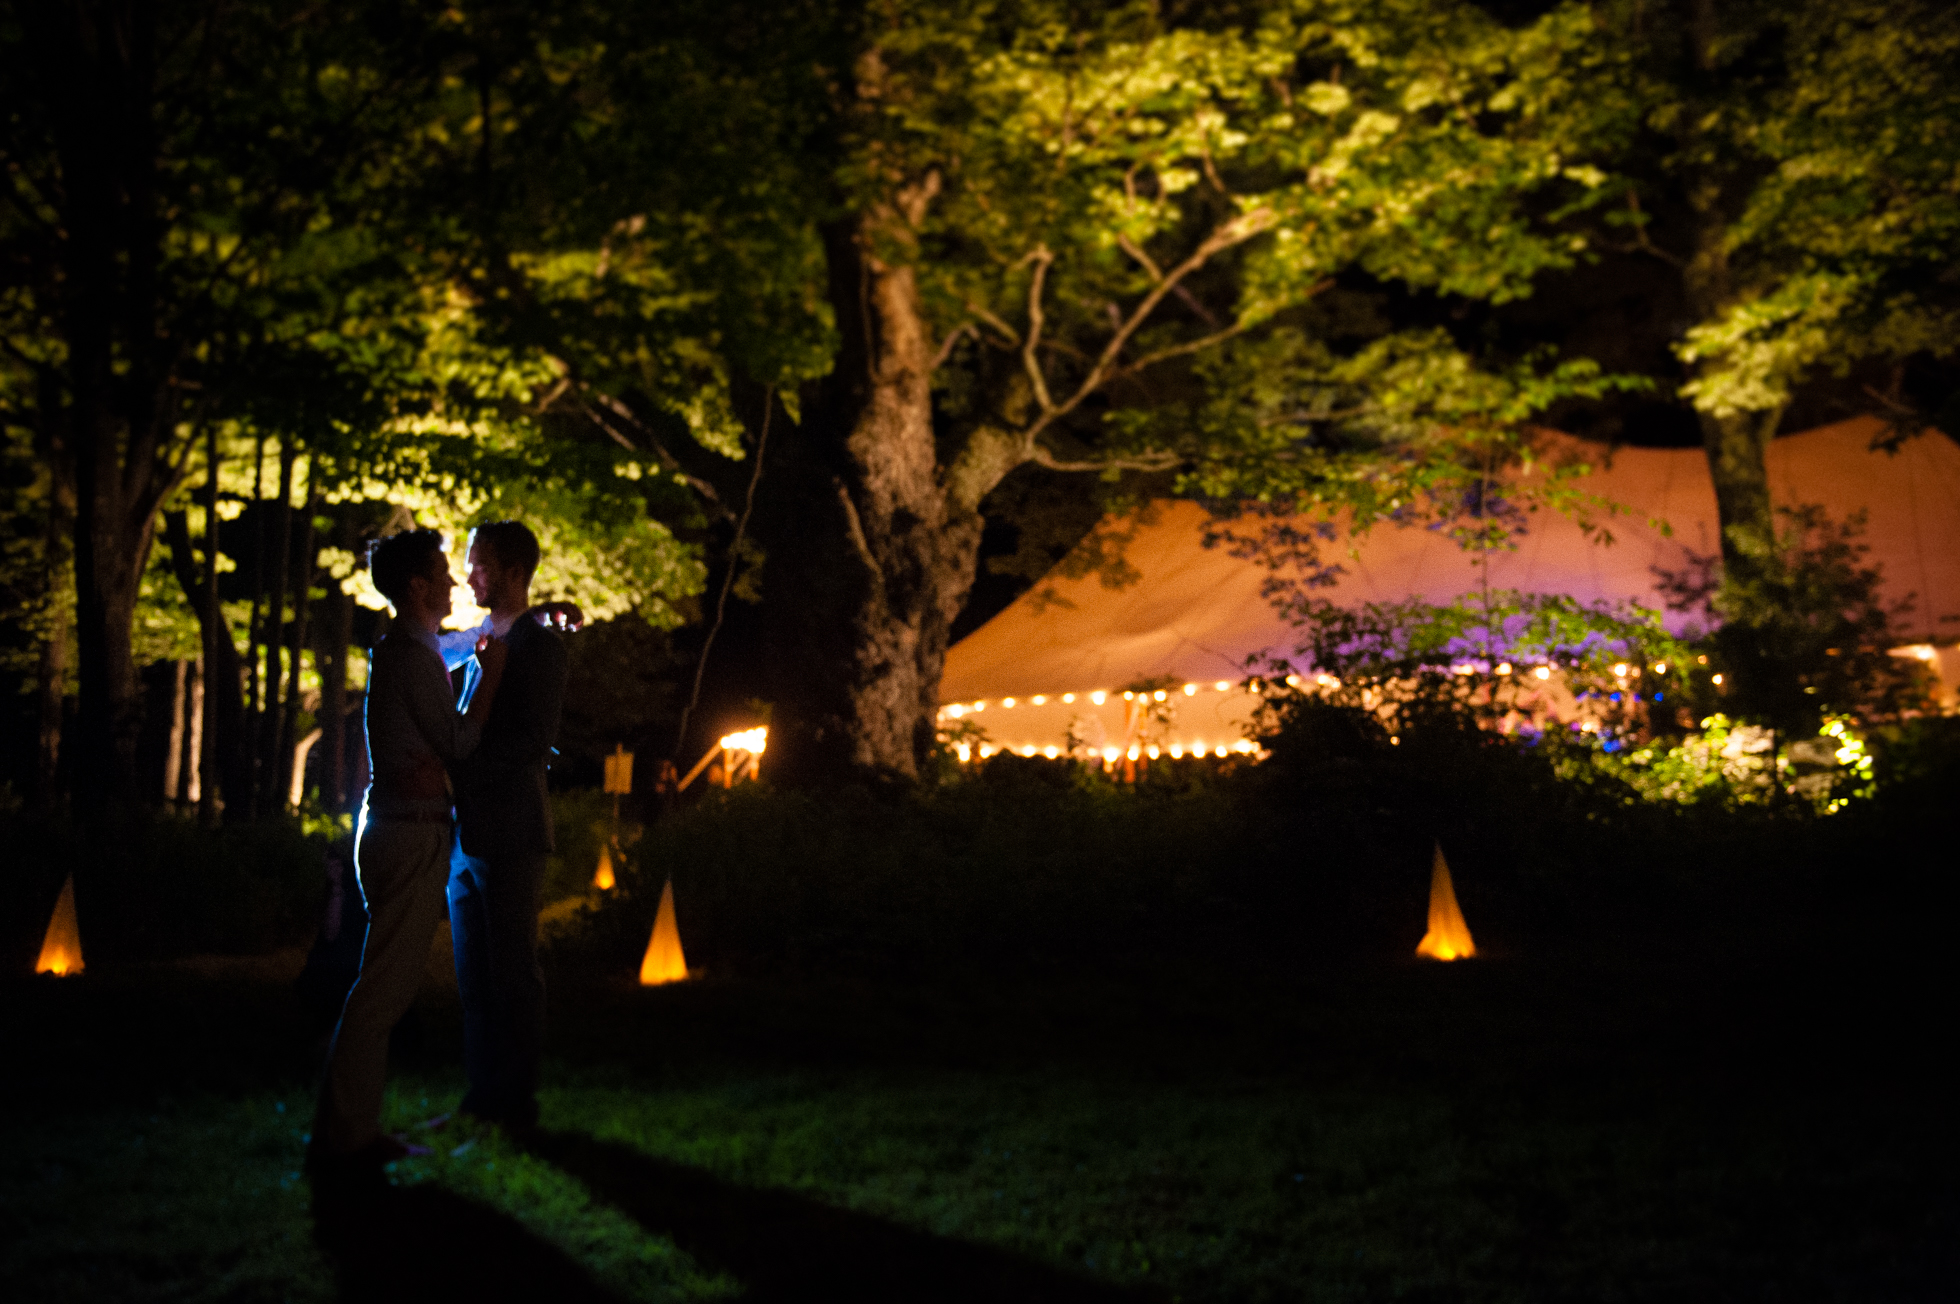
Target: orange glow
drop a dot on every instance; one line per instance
(604, 880)
(61, 950)
(664, 962)
(1448, 937)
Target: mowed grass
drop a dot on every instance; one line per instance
(1756, 1127)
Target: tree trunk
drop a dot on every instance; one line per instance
(302, 602)
(271, 793)
(330, 656)
(193, 785)
(224, 706)
(1737, 445)
(173, 756)
(96, 65)
(870, 555)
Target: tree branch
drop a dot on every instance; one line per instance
(1142, 462)
(1237, 231)
(1042, 258)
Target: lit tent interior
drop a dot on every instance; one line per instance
(1059, 658)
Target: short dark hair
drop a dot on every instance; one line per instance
(398, 558)
(514, 544)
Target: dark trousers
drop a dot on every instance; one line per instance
(493, 917)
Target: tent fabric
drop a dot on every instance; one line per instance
(1194, 615)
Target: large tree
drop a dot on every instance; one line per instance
(928, 244)
(1789, 166)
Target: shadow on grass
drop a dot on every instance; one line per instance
(786, 1247)
(422, 1243)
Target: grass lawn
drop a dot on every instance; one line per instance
(1736, 1124)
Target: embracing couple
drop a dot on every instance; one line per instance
(456, 817)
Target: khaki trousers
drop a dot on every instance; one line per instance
(403, 868)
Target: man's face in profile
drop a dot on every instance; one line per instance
(489, 580)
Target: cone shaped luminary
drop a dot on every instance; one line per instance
(1448, 937)
(61, 950)
(604, 880)
(664, 962)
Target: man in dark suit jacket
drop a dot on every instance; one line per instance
(504, 832)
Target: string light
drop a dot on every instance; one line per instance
(1051, 751)
(978, 707)
(1111, 755)
(1718, 679)
(1098, 696)
(1154, 751)
(1293, 681)
(1543, 672)
(1128, 695)
(1222, 685)
(956, 710)
(1007, 703)
(1068, 697)
(1160, 695)
(1135, 751)
(1177, 751)
(1504, 669)
(1190, 690)
(1038, 700)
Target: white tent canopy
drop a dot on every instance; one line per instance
(1197, 616)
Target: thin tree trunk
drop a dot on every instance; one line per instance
(336, 634)
(271, 790)
(302, 602)
(194, 747)
(245, 801)
(173, 757)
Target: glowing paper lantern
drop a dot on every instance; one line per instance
(61, 950)
(664, 962)
(1448, 937)
(604, 880)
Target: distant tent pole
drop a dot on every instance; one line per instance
(664, 962)
(61, 949)
(1448, 937)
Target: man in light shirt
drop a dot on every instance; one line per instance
(414, 735)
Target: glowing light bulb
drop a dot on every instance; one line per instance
(1128, 695)
(1160, 695)
(1007, 703)
(1543, 672)
(1190, 690)
(1110, 754)
(956, 711)
(1621, 670)
(1177, 751)
(1051, 751)
(1222, 685)
(978, 707)
(1154, 751)
(1293, 681)
(1068, 697)
(1038, 700)
(1135, 751)
(966, 752)
(1030, 751)
(1718, 679)
(1660, 667)
(1098, 696)
(1504, 669)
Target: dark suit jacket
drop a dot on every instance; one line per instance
(501, 804)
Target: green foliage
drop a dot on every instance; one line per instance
(1807, 635)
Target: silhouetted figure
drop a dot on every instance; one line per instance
(504, 832)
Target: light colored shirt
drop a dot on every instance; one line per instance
(414, 731)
